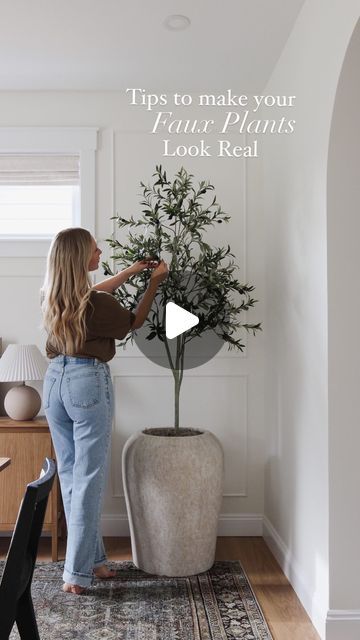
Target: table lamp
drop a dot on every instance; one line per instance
(21, 362)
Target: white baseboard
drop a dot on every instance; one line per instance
(240, 524)
(230, 524)
(343, 624)
(294, 574)
(115, 525)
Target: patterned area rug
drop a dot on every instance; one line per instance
(216, 605)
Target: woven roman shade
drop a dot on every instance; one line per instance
(39, 169)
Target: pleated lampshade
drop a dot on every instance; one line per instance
(21, 362)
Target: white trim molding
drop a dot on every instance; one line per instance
(293, 572)
(116, 525)
(82, 140)
(230, 524)
(240, 524)
(343, 624)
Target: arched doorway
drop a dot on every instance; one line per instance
(343, 246)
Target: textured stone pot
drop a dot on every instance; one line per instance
(173, 492)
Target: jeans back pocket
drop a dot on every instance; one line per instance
(84, 389)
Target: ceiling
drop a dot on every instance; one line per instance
(112, 44)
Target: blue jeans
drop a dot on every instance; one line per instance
(78, 403)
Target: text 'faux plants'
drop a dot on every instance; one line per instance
(175, 218)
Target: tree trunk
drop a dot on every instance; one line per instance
(177, 398)
(178, 379)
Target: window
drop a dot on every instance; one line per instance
(47, 183)
(38, 212)
(39, 195)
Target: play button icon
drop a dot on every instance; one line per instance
(180, 310)
(178, 320)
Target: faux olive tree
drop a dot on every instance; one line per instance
(174, 220)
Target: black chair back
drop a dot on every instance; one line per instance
(15, 588)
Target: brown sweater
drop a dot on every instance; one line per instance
(105, 322)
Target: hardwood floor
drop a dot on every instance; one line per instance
(284, 613)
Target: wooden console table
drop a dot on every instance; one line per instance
(27, 443)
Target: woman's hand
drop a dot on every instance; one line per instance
(160, 272)
(140, 265)
(111, 284)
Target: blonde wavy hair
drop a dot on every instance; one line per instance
(66, 290)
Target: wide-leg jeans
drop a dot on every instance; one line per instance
(79, 403)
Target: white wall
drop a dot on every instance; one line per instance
(344, 350)
(294, 202)
(224, 395)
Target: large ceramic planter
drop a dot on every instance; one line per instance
(173, 492)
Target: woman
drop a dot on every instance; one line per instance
(82, 322)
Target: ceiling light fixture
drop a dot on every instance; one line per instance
(177, 22)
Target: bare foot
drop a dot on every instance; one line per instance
(73, 588)
(104, 573)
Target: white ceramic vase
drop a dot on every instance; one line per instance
(173, 491)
